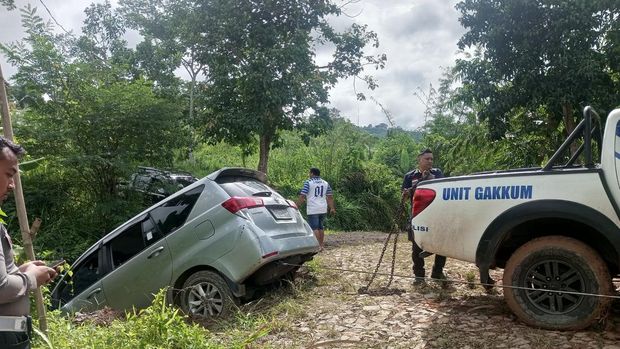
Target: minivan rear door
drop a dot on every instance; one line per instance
(277, 216)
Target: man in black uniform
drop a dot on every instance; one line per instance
(424, 171)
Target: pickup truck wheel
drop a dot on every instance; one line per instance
(557, 263)
(205, 294)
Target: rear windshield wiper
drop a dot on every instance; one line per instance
(262, 193)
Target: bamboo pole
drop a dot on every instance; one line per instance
(20, 203)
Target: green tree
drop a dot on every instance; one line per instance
(397, 151)
(172, 39)
(545, 57)
(91, 119)
(263, 74)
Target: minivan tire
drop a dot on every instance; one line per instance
(557, 263)
(206, 295)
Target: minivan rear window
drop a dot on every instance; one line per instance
(244, 186)
(172, 214)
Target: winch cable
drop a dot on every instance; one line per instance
(455, 281)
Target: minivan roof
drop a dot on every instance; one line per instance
(238, 172)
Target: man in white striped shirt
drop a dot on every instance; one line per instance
(319, 197)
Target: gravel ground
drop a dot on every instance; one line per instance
(332, 314)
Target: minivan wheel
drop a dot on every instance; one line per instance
(557, 263)
(205, 294)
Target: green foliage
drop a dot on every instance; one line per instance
(398, 151)
(158, 326)
(90, 122)
(533, 54)
(463, 145)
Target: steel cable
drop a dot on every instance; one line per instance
(455, 281)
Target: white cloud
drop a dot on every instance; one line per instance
(418, 36)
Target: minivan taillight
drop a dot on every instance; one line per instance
(292, 204)
(236, 203)
(421, 199)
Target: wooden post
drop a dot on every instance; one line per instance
(20, 203)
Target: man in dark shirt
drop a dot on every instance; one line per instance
(424, 172)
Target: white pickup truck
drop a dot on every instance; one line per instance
(555, 230)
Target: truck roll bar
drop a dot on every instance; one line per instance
(591, 131)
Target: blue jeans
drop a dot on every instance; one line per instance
(316, 221)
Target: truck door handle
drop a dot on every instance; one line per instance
(93, 292)
(156, 252)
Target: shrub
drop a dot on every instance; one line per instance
(159, 326)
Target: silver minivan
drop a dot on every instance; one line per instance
(212, 243)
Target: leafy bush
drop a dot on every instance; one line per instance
(158, 326)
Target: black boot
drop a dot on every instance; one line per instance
(440, 278)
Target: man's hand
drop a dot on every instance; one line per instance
(42, 273)
(300, 200)
(406, 194)
(426, 174)
(332, 210)
(24, 267)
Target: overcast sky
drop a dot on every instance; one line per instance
(418, 36)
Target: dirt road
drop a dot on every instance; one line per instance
(327, 312)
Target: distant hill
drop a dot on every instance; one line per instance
(381, 131)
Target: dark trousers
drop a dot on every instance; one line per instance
(17, 340)
(418, 262)
(14, 340)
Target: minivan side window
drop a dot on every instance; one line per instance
(173, 213)
(84, 275)
(132, 240)
(127, 244)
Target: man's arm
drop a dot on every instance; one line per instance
(16, 282)
(330, 203)
(302, 193)
(301, 199)
(406, 187)
(14, 285)
(329, 196)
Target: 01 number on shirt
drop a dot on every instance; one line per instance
(318, 191)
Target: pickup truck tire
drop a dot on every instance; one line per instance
(206, 295)
(557, 263)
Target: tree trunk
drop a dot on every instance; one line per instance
(265, 145)
(569, 124)
(568, 118)
(192, 86)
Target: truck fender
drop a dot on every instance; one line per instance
(498, 229)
